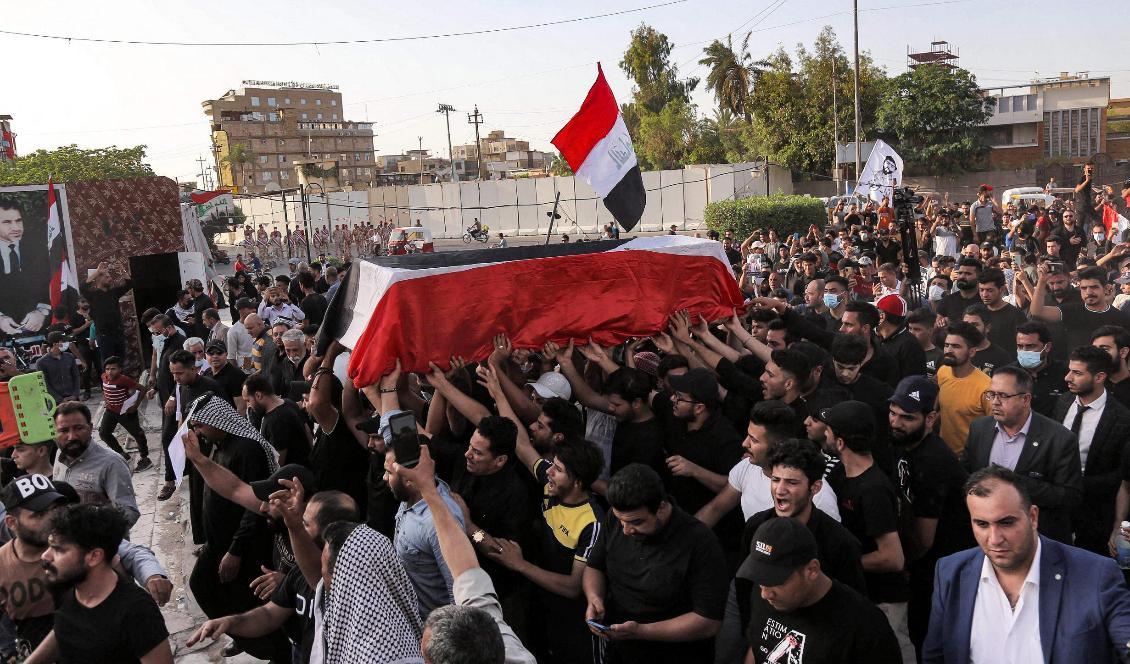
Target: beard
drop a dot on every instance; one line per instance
(74, 448)
(57, 581)
(32, 538)
(910, 437)
(950, 361)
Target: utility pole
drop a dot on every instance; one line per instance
(476, 119)
(835, 130)
(203, 172)
(420, 139)
(858, 123)
(447, 109)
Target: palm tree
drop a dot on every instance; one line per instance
(238, 155)
(732, 74)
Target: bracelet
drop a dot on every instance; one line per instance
(322, 370)
(387, 390)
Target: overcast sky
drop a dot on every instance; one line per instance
(527, 82)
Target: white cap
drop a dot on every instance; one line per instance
(552, 384)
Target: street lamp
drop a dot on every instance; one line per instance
(309, 229)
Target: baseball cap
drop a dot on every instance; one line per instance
(264, 488)
(849, 418)
(552, 384)
(697, 382)
(892, 304)
(244, 303)
(757, 244)
(986, 245)
(780, 546)
(31, 492)
(863, 260)
(915, 394)
(217, 345)
(294, 261)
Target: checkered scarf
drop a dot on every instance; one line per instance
(212, 410)
(370, 613)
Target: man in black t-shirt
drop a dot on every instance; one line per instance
(291, 606)
(934, 520)
(989, 355)
(869, 509)
(102, 290)
(1079, 319)
(964, 275)
(1116, 342)
(281, 421)
(115, 621)
(225, 373)
(801, 615)
(314, 304)
(656, 578)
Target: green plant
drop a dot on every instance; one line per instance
(781, 212)
(316, 171)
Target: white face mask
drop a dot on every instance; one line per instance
(936, 292)
(1099, 237)
(66, 345)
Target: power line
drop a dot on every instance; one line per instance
(341, 42)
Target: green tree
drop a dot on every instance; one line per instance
(933, 114)
(238, 157)
(666, 139)
(648, 63)
(560, 167)
(792, 103)
(731, 75)
(71, 163)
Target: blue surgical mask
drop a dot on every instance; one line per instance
(831, 300)
(1029, 359)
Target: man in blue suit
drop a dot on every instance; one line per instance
(1022, 597)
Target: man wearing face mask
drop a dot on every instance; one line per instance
(60, 369)
(836, 296)
(929, 480)
(1034, 355)
(940, 286)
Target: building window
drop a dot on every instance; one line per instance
(282, 158)
(334, 117)
(272, 102)
(1071, 133)
(284, 175)
(319, 116)
(1031, 102)
(304, 116)
(254, 101)
(301, 101)
(317, 102)
(286, 100)
(356, 156)
(263, 159)
(266, 176)
(333, 102)
(272, 117)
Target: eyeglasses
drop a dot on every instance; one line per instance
(681, 400)
(1000, 396)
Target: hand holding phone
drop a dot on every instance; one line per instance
(405, 439)
(597, 626)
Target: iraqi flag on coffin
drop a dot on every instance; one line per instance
(598, 148)
(427, 307)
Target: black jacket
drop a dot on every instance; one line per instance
(165, 384)
(1094, 517)
(907, 352)
(1048, 465)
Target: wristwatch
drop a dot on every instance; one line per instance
(478, 536)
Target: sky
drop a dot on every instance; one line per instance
(527, 82)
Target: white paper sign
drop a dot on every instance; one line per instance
(176, 452)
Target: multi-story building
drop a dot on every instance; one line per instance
(1061, 119)
(500, 155)
(271, 135)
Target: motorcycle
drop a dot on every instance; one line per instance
(480, 235)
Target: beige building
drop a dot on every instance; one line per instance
(271, 135)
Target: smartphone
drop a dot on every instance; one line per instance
(597, 626)
(405, 439)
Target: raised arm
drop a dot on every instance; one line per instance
(468, 407)
(457, 550)
(320, 404)
(1036, 308)
(220, 479)
(526, 409)
(585, 394)
(488, 378)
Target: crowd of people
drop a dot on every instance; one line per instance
(883, 458)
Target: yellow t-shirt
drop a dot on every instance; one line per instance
(960, 401)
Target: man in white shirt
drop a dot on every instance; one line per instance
(239, 339)
(1021, 597)
(749, 480)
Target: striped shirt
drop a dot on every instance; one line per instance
(115, 393)
(570, 530)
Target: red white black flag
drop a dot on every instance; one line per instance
(598, 148)
(426, 307)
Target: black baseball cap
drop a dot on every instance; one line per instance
(216, 345)
(31, 492)
(780, 546)
(264, 488)
(849, 418)
(915, 394)
(697, 382)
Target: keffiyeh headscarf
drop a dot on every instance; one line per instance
(370, 614)
(212, 410)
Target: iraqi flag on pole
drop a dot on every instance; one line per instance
(63, 275)
(427, 307)
(598, 148)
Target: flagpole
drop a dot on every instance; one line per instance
(858, 130)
